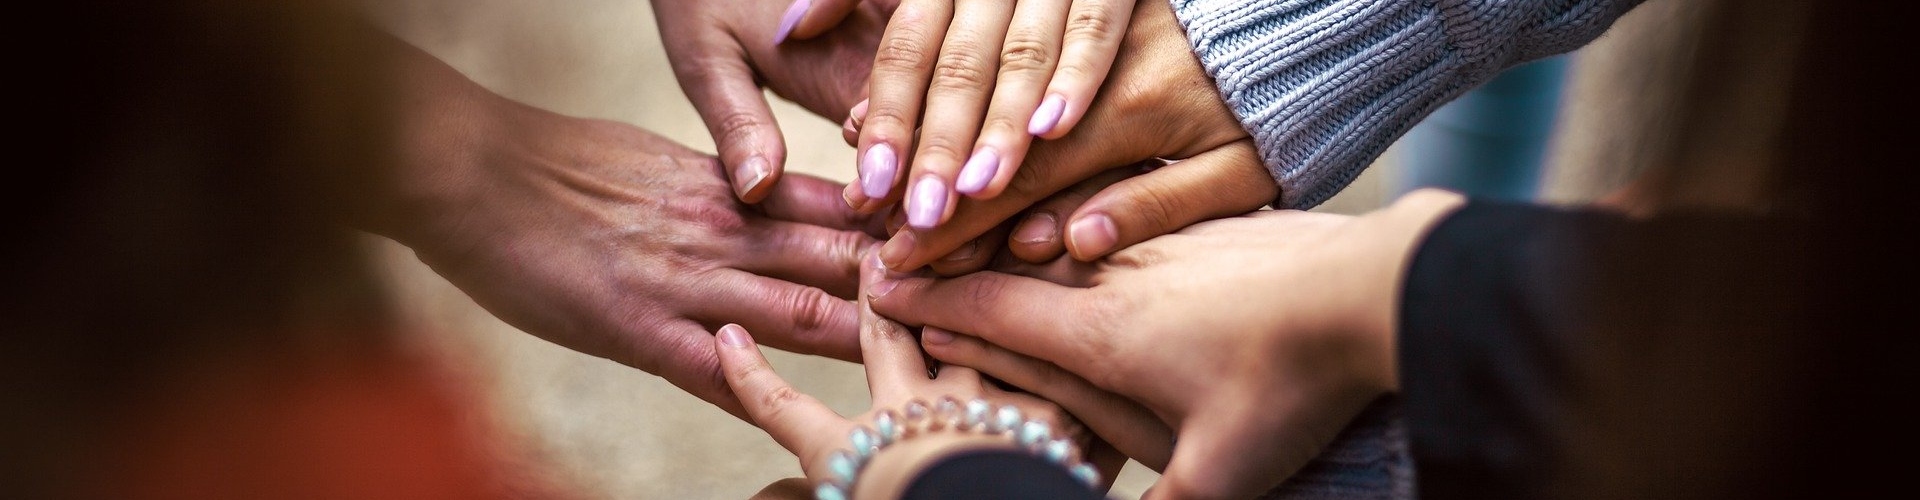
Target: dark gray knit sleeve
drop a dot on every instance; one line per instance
(1325, 86)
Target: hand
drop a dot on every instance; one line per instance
(1158, 104)
(723, 50)
(897, 374)
(614, 242)
(1256, 337)
(1050, 57)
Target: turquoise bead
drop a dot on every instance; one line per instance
(842, 467)
(1033, 434)
(864, 443)
(887, 426)
(829, 492)
(1086, 473)
(1059, 451)
(1006, 420)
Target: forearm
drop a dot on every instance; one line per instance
(1541, 350)
(1325, 87)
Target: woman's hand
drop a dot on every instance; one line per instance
(897, 375)
(1158, 104)
(1258, 338)
(965, 86)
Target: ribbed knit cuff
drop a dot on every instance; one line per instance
(1324, 86)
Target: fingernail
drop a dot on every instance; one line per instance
(964, 253)
(978, 171)
(927, 202)
(881, 288)
(852, 195)
(936, 336)
(1048, 115)
(896, 251)
(1093, 234)
(791, 19)
(876, 170)
(858, 114)
(734, 335)
(1041, 227)
(749, 175)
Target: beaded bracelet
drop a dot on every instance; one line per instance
(843, 467)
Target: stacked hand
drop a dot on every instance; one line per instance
(1187, 326)
(1156, 104)
(614, 242)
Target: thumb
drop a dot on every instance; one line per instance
(806, 19)
(721, 87)
(1223, 182)
(1215, 459)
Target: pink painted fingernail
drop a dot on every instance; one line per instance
(734, 335)
(1093, 235)
(1041, 227)
(791, 19)
(876, 170)
(926, 203)
(978, 171)
(1045, 118)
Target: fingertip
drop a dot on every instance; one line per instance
(734, 336)
(1092, 236)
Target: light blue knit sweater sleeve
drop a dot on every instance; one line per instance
(1325, 86)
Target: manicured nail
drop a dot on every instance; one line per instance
(936, 336)
(876, 170)
(734, 335)
(750, 174)
(964, 253)
(1041, 227)
(1093, 235)
(896, 251)
(978, 171)
(927, 202)
(791, 19)
(1048, 115)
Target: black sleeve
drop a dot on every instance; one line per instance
(996, 474)
(1554, 353)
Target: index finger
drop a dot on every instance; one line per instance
(1025, 315)
(894, 362)
(792, 418)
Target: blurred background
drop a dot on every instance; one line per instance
(620, 433)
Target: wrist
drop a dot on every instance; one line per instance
(881, 460)
(1397, 231)
(445, 124)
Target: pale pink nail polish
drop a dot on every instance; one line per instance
(876, 170)
(926, 203)
(791, 19)
(1045, 118)
(978, 171)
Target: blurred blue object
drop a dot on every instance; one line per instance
(1492, 141)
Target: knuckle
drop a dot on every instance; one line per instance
(1025, 51)
(1155, 210)
(778, 399)
(961, 69)
(738, 122)
(707, 215)
(900, 53)
(941, 147)
(982, 291)
(1089, 23)
(810, 310)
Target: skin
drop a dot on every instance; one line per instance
(723, 51)
(896, 373)
(1208, 328)
(1157, 103)
(609, 240)
(985, 69)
